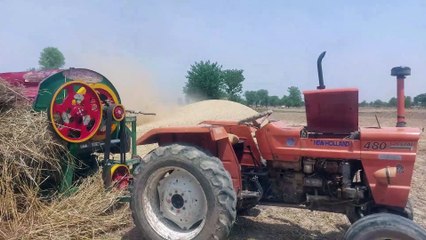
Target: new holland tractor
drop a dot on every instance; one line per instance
(198, 178)
(84, 110)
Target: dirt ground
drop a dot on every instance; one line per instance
(267, 222)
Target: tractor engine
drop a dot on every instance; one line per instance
(314, 180)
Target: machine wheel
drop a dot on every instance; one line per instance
(354, 214)
(183, 193)
(385, 226)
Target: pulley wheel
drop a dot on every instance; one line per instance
(108, 97)
(75, 112)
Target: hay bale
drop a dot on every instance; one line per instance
(9, 96)
(29, 154)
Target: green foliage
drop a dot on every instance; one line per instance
(51, 58)
(205, 81)
(233, 80)
(257, 98)
(294, 98)
(363, 104)
(392, 102)
(408, 102)
(420, 100)
(262, 98)
(378, 103)
(274, 101)
(251, 98)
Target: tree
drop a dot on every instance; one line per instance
(251, 97)
(232, 80)
(51, 58)
(408, 102)
(257, 98)
(392, 102)
(263, 97)
(205, 81)
(363, 104)
(378, 103)
(284, 101)
(274, 101)
(294, 98)
(420, 100)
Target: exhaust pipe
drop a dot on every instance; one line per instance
(319, 67)
(400, 73)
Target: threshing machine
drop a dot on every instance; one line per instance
(84, 110)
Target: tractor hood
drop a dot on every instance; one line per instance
(332, 110)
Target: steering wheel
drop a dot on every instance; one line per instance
(75, 112)
(252, 119)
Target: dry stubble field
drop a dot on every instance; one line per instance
(268, 222)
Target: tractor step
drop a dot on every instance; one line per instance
(249, 194)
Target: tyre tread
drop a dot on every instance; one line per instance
(219, 178)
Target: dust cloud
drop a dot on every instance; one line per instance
(134, 83)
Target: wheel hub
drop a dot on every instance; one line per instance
(182, 199)
(177, 201)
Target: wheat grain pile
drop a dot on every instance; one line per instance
(30, 167)
(192, 114)
(195, 113)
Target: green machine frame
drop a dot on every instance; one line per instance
(120, 140)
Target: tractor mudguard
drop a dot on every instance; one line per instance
(212, 139)
(388, 155)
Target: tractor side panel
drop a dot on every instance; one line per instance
(386, 148)
(213, 139)
(278, 141)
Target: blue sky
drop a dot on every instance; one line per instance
(151, 44)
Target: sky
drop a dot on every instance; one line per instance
(147, 47)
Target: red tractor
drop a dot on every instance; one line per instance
(195, 182)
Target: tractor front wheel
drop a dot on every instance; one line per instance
(183, 193)
(355, 213)
(385, 226)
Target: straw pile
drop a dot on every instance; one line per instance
(88, 213)
(30, 158)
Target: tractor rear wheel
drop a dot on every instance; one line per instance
(183, 193)
(385, 226)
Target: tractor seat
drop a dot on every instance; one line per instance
(234, 139)
(237, 145)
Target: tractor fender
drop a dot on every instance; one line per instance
(388, 155)
(214, 140)
(159, 135)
